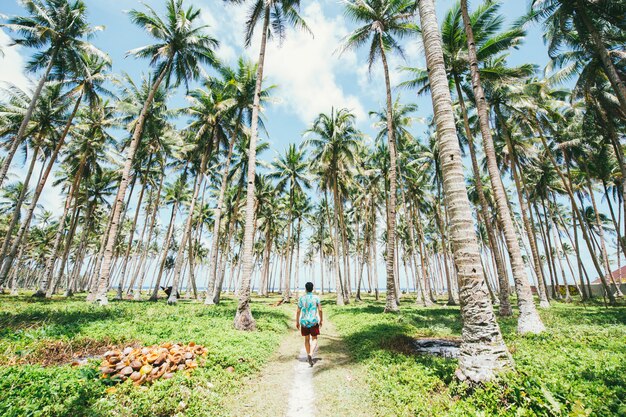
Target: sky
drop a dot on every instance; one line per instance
(310, 73)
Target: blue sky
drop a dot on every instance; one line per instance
(310, 74)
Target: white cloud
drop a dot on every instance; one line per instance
(304, 67)
(12, 64)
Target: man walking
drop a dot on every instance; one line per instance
(309, 319)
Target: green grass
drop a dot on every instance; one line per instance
(33, 332)
(577, 368)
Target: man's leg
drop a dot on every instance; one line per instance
(314, 345)
(307, 344)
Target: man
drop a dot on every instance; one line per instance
(309, 319)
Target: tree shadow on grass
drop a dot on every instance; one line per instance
(67, 323)
(387, 339)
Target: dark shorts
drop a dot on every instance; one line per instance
(310, 331)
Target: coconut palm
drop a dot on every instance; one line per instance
(384, 22)
(290, 171)
(60, 28)
(334, 140)
(529, 320)
(180, 49)
(585, 24)
(242, 83)
(275, 15)
(483, 352)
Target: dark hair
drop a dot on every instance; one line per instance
(309, 287)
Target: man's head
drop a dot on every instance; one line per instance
(309, 287)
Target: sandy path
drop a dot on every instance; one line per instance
(288, 386)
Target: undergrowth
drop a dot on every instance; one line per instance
(39, 340)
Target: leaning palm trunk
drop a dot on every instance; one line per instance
(483, 352)
(605, 253)
(141, 268)
(105, 273)
(166, 245)
(503, 278)
(120, 284)
(529, 320)
(186, 232)
(568, 188)
(50, 263)
(19, 137)
(15, 218)
(217, 217)
(8, 260)
(520, 187)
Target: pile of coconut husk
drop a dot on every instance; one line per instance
(147, 364)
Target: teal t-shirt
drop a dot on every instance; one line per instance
(308, 309)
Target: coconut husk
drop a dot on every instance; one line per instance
(149, 363)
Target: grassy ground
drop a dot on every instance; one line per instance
(577, 368)
(40, 339)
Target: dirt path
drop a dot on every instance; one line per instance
(288, 387)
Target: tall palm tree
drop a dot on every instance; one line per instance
(290, 170)
(334, 141)
(214, 103)
(483, 352)
(529, 320)
(60, 28)
(87, 73)
(384, 21)
(181, 48)
(242, 81)
(274, 14)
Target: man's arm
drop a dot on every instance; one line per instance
(321, 313)
(298, 318)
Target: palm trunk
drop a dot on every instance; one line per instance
(141, 268)
(529, 320)
(105, 273)
(49, 271)
(243, 317)
(180, 256)
(18, 209)
(8, 260)
(520, 187)
(605, 253)
(503, 278)
(392, 302)
(120, 286)
(166, 246)
(483, 352)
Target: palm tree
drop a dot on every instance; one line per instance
(585, 24)
(384, 21)
(291, 172)
(334, 140)
(483, 352)
(275, 14)
(529, 320)
(242, 82)
(175, 194)
(60, 27)
(214, 104)
(180, 50)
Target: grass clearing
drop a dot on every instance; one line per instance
(577, 368)
(40, 339)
